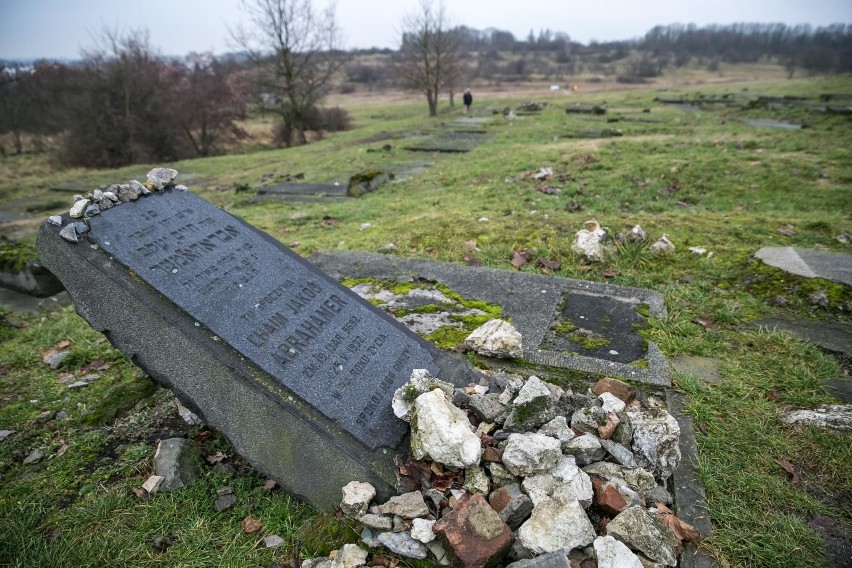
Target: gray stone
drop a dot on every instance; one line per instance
(555, 559)
(513, 506)
(637, 479)
(656, 441)
(176, 461)
(225, 502)
(611, 403)
(5, 434)
(834, 417)
(129, 192)
(640, 530)
(809, 263)
(401, 543)
(420, 382)
(475, 480)
(704, 368)
(531, 408)
(223, 469)
(558, 428)
(488, 407)
(496, 338)
(370, 538)
(161, 177)
(298, 373)
(438, 552)
(356, 498)
(662, 245)
(54, 360)
(45, 416)
(622, 455)
(78, 385)
(611, 553)
(589, 419)
(408, 506)
(188, 416)
(55, 220)
(531, 300)
(92, 210)
(376, 522)
(660, 495)
(80, 228)
(442, 432)
(556, 524)
(586, 449)
(500, 476)
(273, 541)
(34, 457)
(526, 454)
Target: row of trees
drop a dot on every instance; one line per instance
(122, 105)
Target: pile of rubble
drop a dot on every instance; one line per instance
(525, 471)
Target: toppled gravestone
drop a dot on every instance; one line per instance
(293, 368)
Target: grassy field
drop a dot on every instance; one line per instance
(704, 178)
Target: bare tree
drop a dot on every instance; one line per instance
(297, 49)
(429, 51)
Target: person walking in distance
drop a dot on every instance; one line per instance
(468, 100)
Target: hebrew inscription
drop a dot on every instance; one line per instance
(321, 341)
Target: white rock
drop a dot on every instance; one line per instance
(188, 416)
(273, 541)
(356, 498)
(835, 417)
(656, 437)
(421, 529)
(575, 482)
(79, 208)
(152, 484)
(662, 245)
(421, 381)
(527, 454)
(512, 388)
(611, 403)
(643, 531)
(442, 432)
(558, 428)
(554, 524)
(350, 556)
(439, 552)
(614, 554)
(637, 234)
(496, 338)
(589, 241)
(697, 250)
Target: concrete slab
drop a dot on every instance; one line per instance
(809, 263)
(704, 368)
(25, 304)
(538, 305)
(319, 189)
(834, 336)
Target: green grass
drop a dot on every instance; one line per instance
(705, 179)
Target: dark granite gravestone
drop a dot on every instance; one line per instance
(293, 368)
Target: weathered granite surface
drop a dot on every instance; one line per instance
(294, 369)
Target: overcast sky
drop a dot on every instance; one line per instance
(61, 28)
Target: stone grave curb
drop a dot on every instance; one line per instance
(521, 294)
(690, 500)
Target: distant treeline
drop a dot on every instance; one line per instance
(123, 103)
